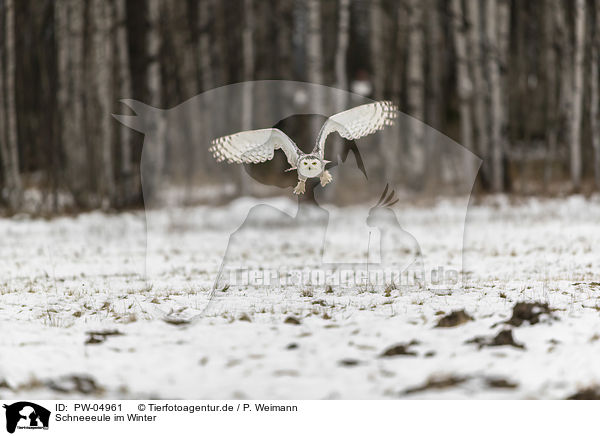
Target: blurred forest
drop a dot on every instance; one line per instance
(514, 81)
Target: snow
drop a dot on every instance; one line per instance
(65, 277)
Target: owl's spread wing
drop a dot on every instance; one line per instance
(254, 146)
(357, 122)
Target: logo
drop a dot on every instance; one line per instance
(26, 415)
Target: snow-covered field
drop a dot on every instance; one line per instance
(79, 319)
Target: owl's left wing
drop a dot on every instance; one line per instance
(254, 146)
(357, 122)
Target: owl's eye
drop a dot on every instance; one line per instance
(314, 163)
(305, 163)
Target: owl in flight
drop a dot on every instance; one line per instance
(256, 146)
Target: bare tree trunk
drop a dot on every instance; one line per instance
(315, 60)
(565, 100)
(341, 79)
(594, 100)
(575, 121)
(378, 24)
(248, 64)
(433, 53)
(206, 80)
(102, 70)
(154, 156)
(248, 86)
(284, 38)
(341, 75)
(550, 66)
(416, 92)
(465, 87)
(376, 46)
(154, 45)
(497, 21)
(8, 129)
(415, 85)
(69, 16)
(433, 88)
(399, 53)
(479, 85)
(204, 56)
(124, 90)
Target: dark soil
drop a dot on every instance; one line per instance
(98, 337)
(81, 384)
(500, 383)
(437, 383)
(504, 337)
(591, 393)
(454, 319)
(530, 312)
(400, 350)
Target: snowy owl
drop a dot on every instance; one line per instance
(256, 146)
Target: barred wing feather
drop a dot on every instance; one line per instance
(357, 122)
(254, 146)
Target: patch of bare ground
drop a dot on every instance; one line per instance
(400, 350)
(500, 383)
(454, 319)
(99, 337)
(530, 312)
(75, 384)
(437, 383)
(504, 337)
(589, 393)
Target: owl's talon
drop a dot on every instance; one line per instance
(326, 178)
(300, 188)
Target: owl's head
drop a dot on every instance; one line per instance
(310, 166)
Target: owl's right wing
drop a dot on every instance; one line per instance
(357, 122)
(254, 146)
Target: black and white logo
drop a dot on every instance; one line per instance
(26, 415)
